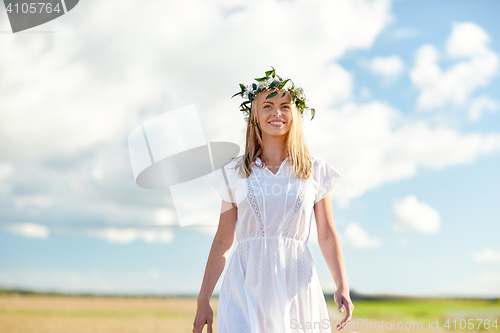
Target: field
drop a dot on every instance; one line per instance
(458, 314)
(78, 314)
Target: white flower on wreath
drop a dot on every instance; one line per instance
(288, 85)
(249, 88)
(299, 92)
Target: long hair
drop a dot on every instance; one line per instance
(295, 146)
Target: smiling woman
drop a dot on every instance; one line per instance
(271, 284)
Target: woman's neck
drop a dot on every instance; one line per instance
(274, 151)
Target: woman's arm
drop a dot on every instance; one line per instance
(329, 244)
(221, 248)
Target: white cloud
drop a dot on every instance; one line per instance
(119, 214)
(333, 85)
(412, 214)
(487, 255)
(477, 65)
(127, 235)
(480, 105)
(358, 237)
(164, 216)
(467, 40)
(388, 67)
(28, 229)
(42, 201)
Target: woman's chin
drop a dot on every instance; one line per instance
(276, 131)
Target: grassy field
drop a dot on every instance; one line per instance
(78, 314)
(460, 314)
(96, 314)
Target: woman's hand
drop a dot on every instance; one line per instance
(343, 300)
(204, 315)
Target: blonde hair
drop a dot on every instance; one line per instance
(295, 146)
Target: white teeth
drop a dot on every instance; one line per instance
(276, 122)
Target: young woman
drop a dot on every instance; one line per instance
(268, 196)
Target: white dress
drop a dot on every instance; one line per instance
(271, 284)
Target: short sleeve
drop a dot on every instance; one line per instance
(219, 179)
(327, 177)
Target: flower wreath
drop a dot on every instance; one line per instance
(269, 82)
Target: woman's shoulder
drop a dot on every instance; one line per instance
(231, 165)
(316, 161)
(321, 166)
(235, 161)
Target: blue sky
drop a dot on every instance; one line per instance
(407, 110)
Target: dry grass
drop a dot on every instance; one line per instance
(75, 314)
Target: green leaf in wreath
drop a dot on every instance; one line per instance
(312, 112)
(262, 79)
(273, 84)
(271, 95)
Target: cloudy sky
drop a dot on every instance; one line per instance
(407, 111)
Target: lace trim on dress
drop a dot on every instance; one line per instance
(255, 206)
(298, 205)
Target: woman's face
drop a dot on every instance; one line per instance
(274, 115)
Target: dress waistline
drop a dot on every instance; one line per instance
(271, 237)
